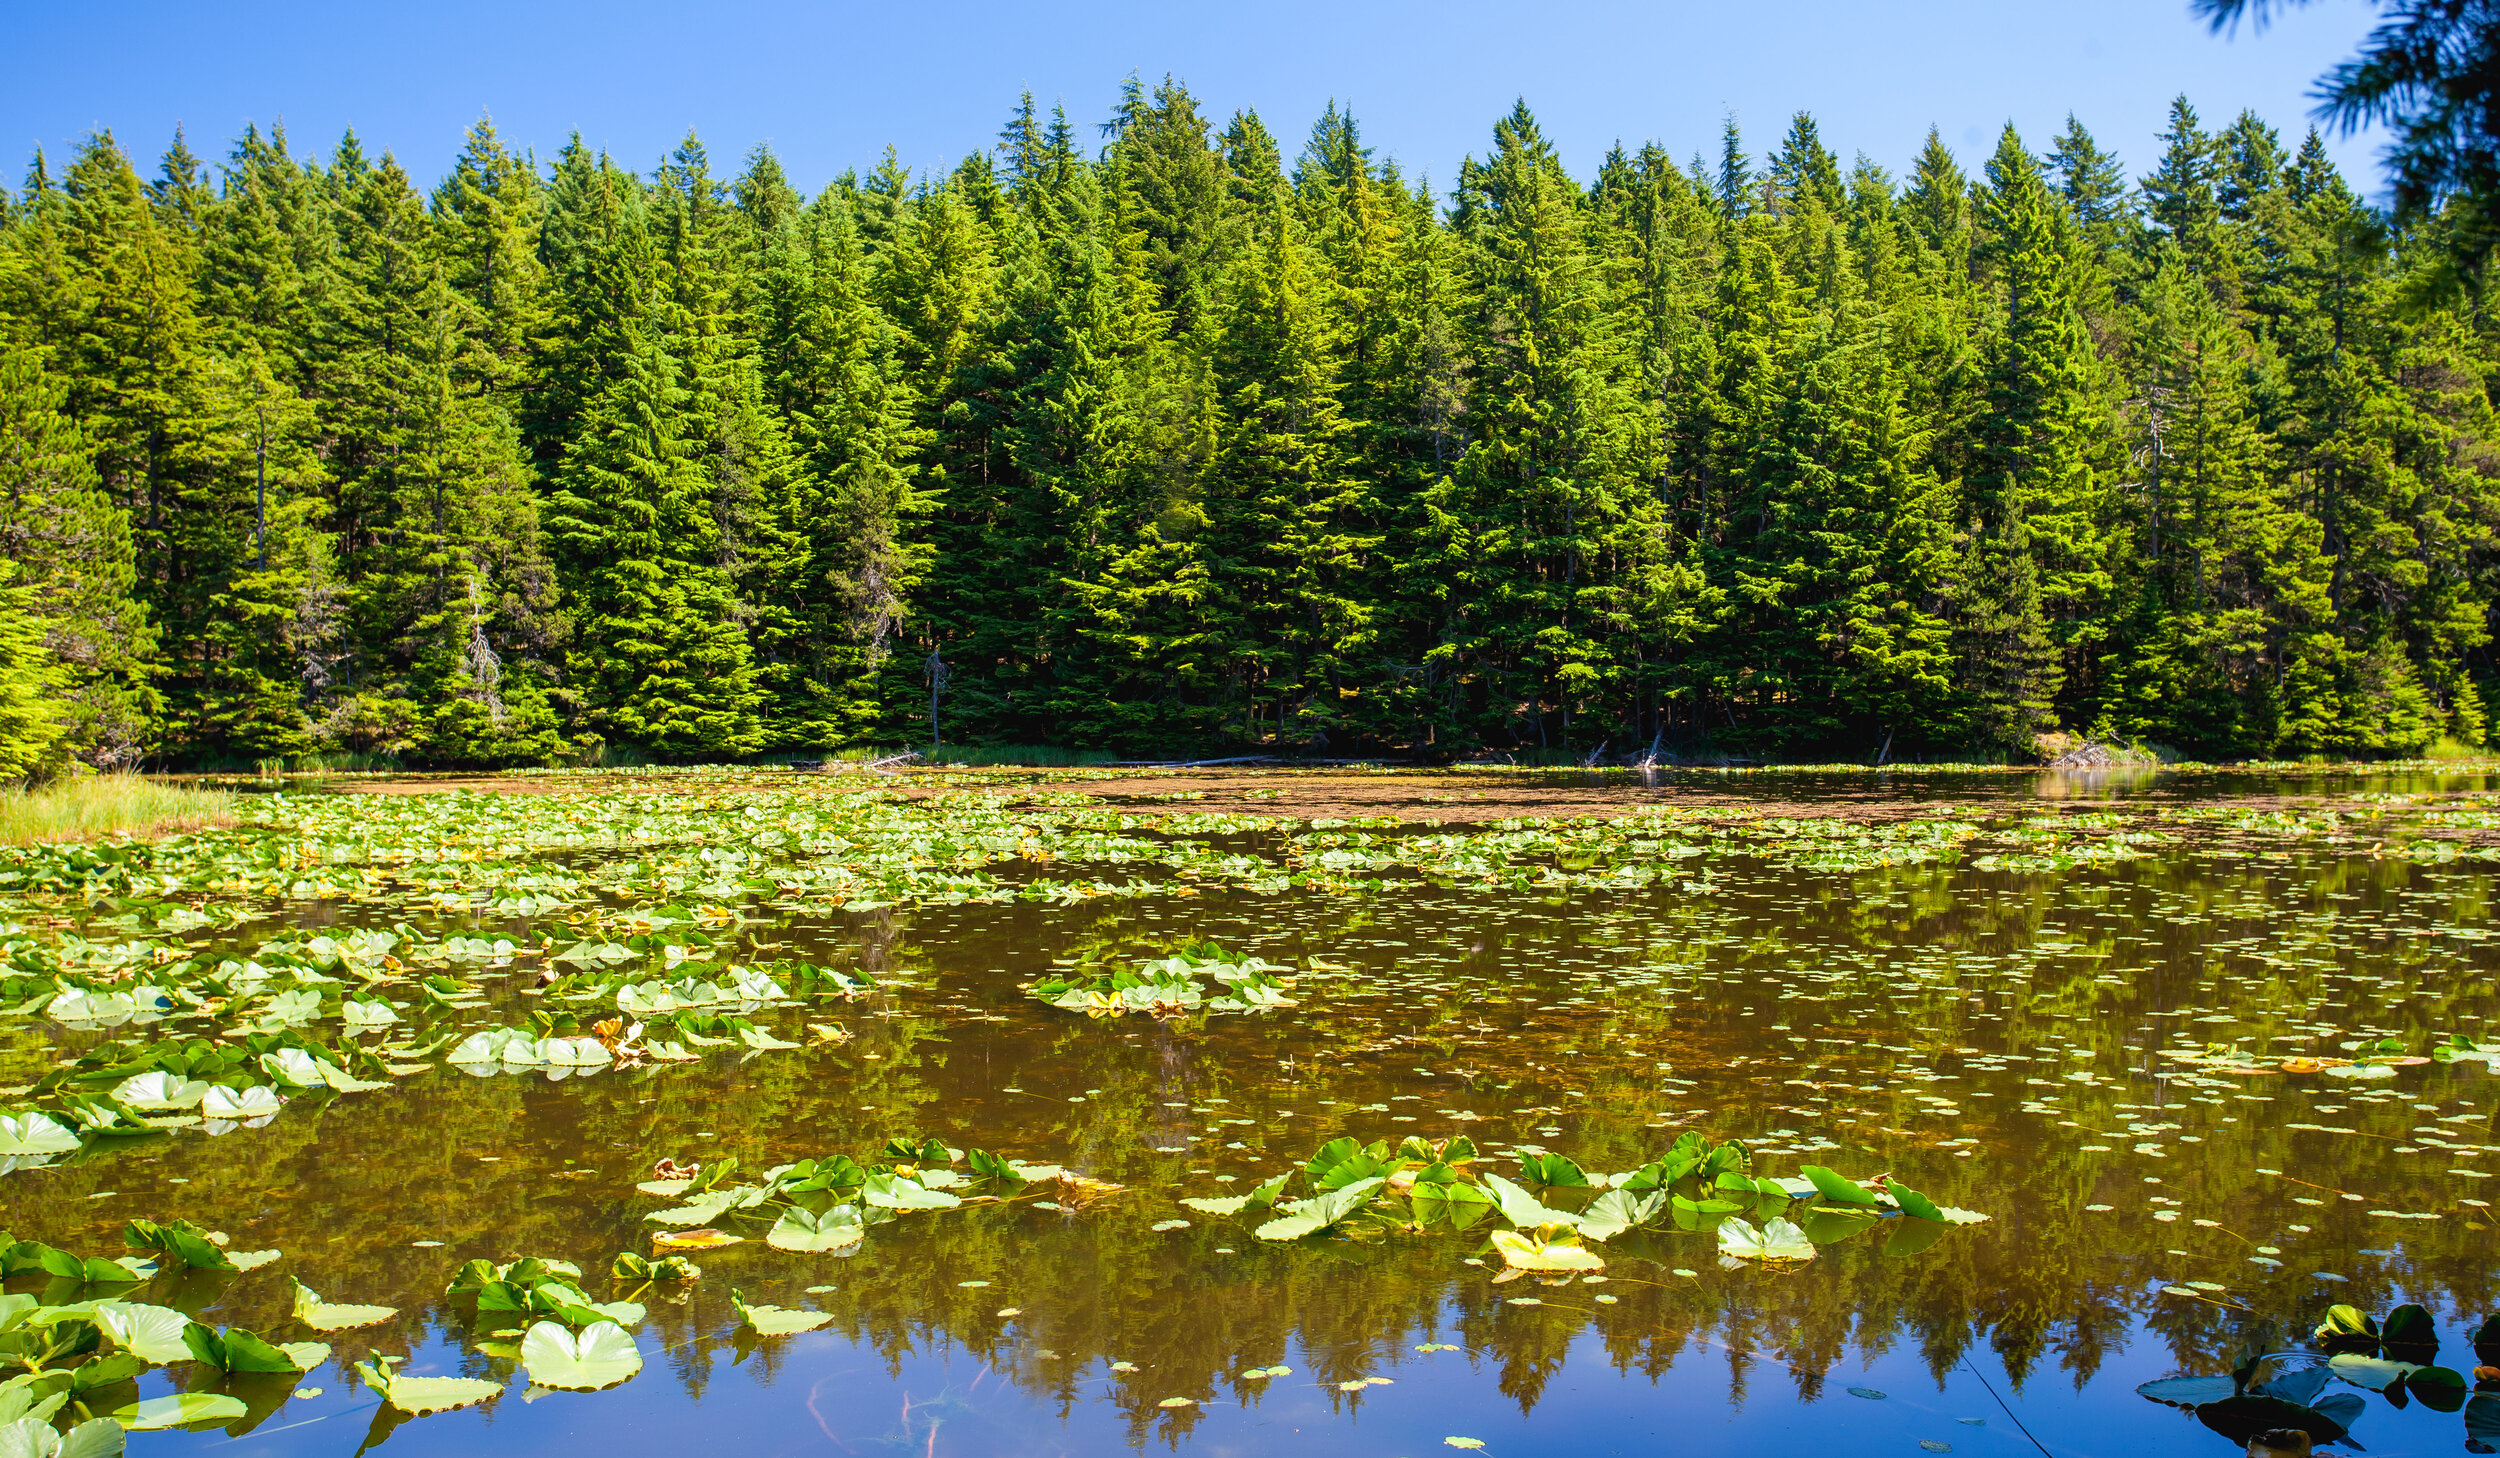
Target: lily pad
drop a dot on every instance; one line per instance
(179, 1411)
(34, 1438)
(34, 1133)
(322, 1315)
(2187, 1391)
(152, 1333)
(777, 1320)
(800, 1229)
(602, 1355)
(420, 1396)
(1523, 1251)
(1777, 1240)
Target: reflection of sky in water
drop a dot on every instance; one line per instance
(1991, 1037)
(827, 1394)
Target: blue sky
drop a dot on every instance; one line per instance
(830, 85)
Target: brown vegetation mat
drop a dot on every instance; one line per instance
(1450, 795)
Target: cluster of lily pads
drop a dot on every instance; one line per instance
(2370, 1058)
(2278, 1391)
(828, 1204)
(221, 1043)
(1369, 1191)
(72, 1351)
(1199, 977)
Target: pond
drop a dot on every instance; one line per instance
(1340, 1113)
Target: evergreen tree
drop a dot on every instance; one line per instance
(30, 726)
(659, 660)
(73, 572)
(2033, 564)
(1182, 442)
(2092, 183)
(1735, 180)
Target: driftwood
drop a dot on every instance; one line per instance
(1189, 763)
(906, 757)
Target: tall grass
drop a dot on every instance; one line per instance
(2451, 748)
(99, 805)
(1039, 756)
(979, 756)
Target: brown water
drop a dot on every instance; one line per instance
(1988, 1033)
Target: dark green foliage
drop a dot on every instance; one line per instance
(1191, 444)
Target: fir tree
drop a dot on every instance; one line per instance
(659, 660)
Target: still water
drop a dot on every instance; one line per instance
(2064, 1002)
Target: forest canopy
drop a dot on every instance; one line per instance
(1174, 437)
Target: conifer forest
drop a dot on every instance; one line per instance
(1173, 434)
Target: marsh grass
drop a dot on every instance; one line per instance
(2450, 749)
(982, 756)
(99, 805)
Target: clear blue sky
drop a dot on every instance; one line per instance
(829, 85)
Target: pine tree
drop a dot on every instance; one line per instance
(1552, 493)
(2033, 562)
(70, 546)
(853, 423)
(1180, 443)
(658, 658)
(2092, 183)
(1804, 173)
(487, 216)
(1735, 180)
(30, 729)
(2180, 196)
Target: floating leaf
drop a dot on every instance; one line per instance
(695, 1240)
(1836, 1190)
(2188, 1391)
(602, 1355)
(1616, 1211)
(419, 1396)
(178, 1411)
(152, 1333)
(1320, 1212)
(34, 1133)
(1522, 1251)
(777, 1320)
(237, 1350)
(1777, 1240)
(1523, 1209)
(322, 1315)
(800, 1229)
(34, 1438)
(1915, 1204)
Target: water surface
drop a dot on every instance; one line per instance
(1973, 983)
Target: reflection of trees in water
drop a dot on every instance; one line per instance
(344, 1186)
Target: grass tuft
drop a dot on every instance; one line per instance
(2451, 748)
(101, 805)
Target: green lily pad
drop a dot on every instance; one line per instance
(777, 1320)
(180, 1411)
(322, 1315)
(602, 1355)
(1776, 1240)
(152, 1333)
(804, 1230)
